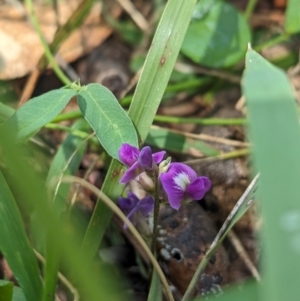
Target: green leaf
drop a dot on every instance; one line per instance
(168, 140)
(15, 246)
(9, 292)
(246, 292)
(155, 293)
(217, 36)
(292, 16)
(18, 294)
(37, 112)
(61, 165)
(6, 290)
(107, 118)
(275, 135)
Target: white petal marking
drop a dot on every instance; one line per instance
(181, 180)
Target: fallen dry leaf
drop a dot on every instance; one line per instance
(20, 46)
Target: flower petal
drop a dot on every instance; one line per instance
(207, 183)
(157, 157)
(174, 192)
(145, 158)
(146, 205)
(128, 154)
(131, 173)
(127, 204)
(197, 189)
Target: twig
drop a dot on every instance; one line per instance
(235, 241)
(135, 15)
(207, 137)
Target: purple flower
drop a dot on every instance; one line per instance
(132, 206)
(181, 183)
(136, 160)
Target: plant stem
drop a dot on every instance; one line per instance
(271, 42)
(203, 121)
(170, 119)
(155, 214)
(46, 47)
(250, 8)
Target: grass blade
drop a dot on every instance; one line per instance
(15, 246)
(274, 129)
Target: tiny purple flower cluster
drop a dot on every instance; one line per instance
(179, 181)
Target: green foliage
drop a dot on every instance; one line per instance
(217, 36)
(149, 91)
(6, 290)
(9, 292)
(107, 118)
(37, 112)
(15, 246)
(275, 133)
(292, 17)
(66, 162)
(171, 141)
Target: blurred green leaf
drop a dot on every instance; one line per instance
(217, 36)
(36, 113)
(5, 112)
(15, 246)
(30, 191)
(245, 292)
(275, 134)
(61, 165)
(168, 140)
(9, 292)
(292, 16)
(155, 293)
(18, 294)
(6, 290)
(107, 118)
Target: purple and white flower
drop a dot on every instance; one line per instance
(132, 206)
(137, 161)
(180, 182)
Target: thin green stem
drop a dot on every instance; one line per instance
(169, 119)
(202, 121)
(46, 47)
(78, 133)
(250, 8)
(271, 42)
(191, 83)
(225, 156)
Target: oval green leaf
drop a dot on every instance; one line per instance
(107, 118)
(15, 246)
(217, 36)
(36, 113)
